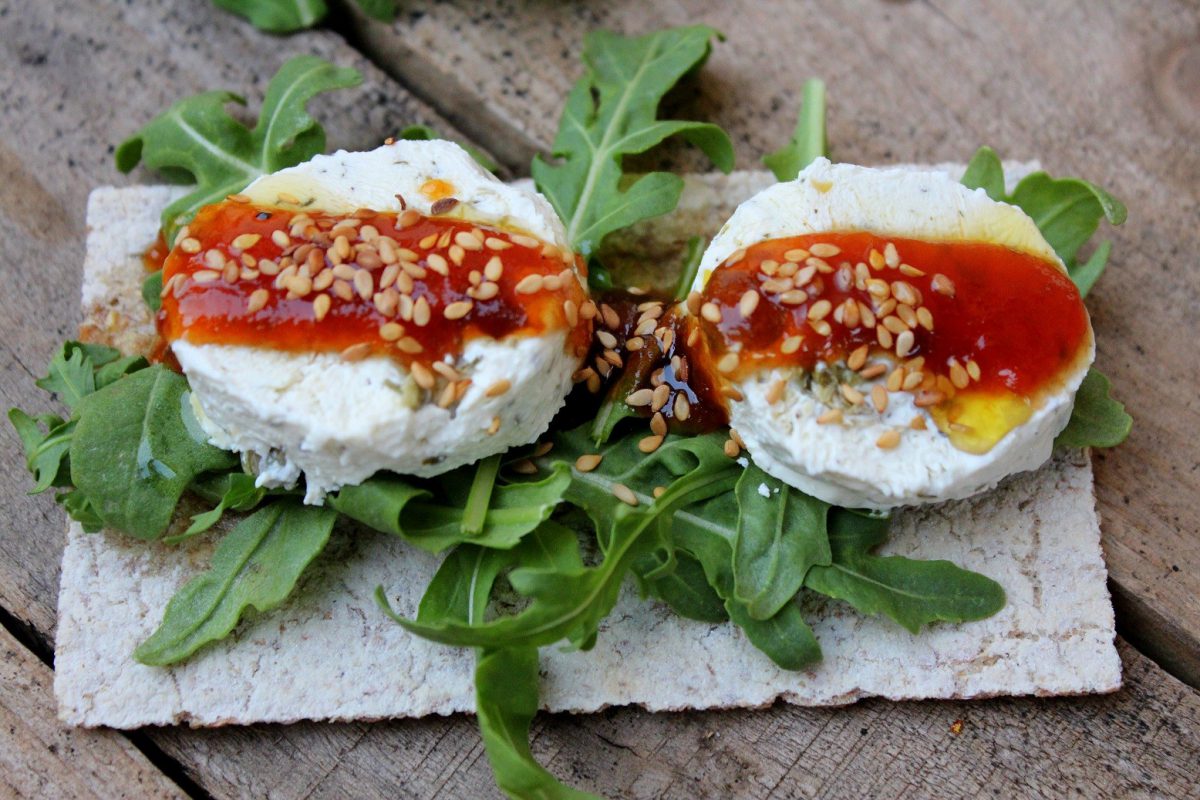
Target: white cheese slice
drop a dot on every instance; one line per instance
(338, 422)
(841, 464)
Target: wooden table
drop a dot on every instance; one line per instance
(1107, 91)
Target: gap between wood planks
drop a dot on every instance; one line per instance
(1170, 650)
(36, 643)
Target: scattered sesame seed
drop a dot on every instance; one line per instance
(873, 371)
(458, 310)
(588, 462)
(649, 444)
(904, 343)
(727, 363)
(711, 312)
(660, 396)
(391, 331)
(853, 396)
(973, 370)
(640, 397)
(205, 276)
(820, 326)
(889, 440)
(917, 424)
(879, 398)
(658, 424)
(525, 467)
(190, 245)
(494, 426)
(831, 417)
(659, 491)
(634, 343)
(796, 255)
(356, 352)
(942, 285)
(890, 256)
(959, 376)
(819, 310)
(822, 250)
(791, 344)
(529, 284)
(624, 494)
(731, 448)
(258, 300)
(775, 392)
(245, 241)
(858, 357)
(409, 345)
(606, 339)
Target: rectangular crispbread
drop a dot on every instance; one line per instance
(330, 653)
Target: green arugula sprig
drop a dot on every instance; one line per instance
(289, 16)
(197, 140)
(611, 113)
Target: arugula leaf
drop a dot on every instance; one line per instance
(779, 536)
(808, 140)
(610, 113)
(136, 447)
(277, 16)
(393, 504)
(152, 291)
(424, 133)
(72, 374)
(235, 491)
(257, 564)
(506, 700)
(984, 171)
(289, 16)
(80, 509)
(45, 453)
(687, 591)
(197, 137)
(570, 603)
(705, 531)
(913, 593)
(1097, 420)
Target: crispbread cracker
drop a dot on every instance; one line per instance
(330, 653)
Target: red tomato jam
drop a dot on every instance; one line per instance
(409, 286)
(977, 332)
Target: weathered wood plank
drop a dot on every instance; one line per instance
(1143, 741)
(1073, 85)
(41, 758)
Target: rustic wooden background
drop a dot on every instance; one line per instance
(1109, 91)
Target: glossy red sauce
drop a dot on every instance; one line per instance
(266, 291)
(1019, 317)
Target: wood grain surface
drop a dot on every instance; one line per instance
(1107, 92)
(1102, 91)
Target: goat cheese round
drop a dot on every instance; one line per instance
(891, 337)
(397, 402)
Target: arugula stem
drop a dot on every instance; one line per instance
(691, 265)
(480, 496)
(810, 128)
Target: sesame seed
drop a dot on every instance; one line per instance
(634, 343)
(364, 284)
(906, 313)
(890, 256)
(321, 304)
(894, 324)
(649, 444)
(853, 396)
(819, 310)
(732, 393)
(796, 255)
(624, 494)
(658, 424)
(343, 290)
(727, 363)
(959, 376)
(788, 269)
(525, 241)
(457, 254)
(803, 276)
(614, 358)
(660, 397)
(494, 426)
(492, 243)
(682, 408)
(391, 331)
(588, 310)
(878, 289)
(736, 256)
(884, 336)
(356, 352)
(607, 339)
(443, 206)
(748, 303)
(769, 267)
(904, 343)
(794, 297)
(458, 310)
(942, 285)
(775, 392)
(438, 264)
(912, 380)
(885, 308)
(190, 245)
(917, 424)
(205, 276)
(731, 448)
(820, 326)
(791, 344)
(820, 264)
(889, 440)
(641, 397)
(904, 292)
(240, 198)
(588, 462)
(823, 250)
(876, 259)
(258, 299)
(895, 380)
(879, 398)
(831, 417)
(645, 327)
(926, 398)
(850, 316)
(214, 259)
(245, 241)
(710, 312)
(659, 491)
(422, 375)
(529, 284)
(925, 318)
(409, 345)
(858, 357)
(368, 259)
(873, 371)
(911, 271)
(777, 285)
(231, 272)
(867, 315)
(551, 283)
(446, 371)
(973, 370)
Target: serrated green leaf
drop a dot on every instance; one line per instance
(45, 451)
(256, 565)
(152, 291)
(1067, 210)
(80, 509)
(985, 172)
(780, 535)
(808, 140)
(610, 113)
(197, 136)
(687, 591)
(913, 593)
(1097, 420)
(71, 375)
(136, 447)
(278, 16)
